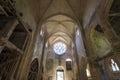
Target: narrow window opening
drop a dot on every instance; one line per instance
(114, 66)
(88, 72)
(68, 64)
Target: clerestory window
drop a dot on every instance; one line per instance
(114, 66)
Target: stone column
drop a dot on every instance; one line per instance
(82, 67)
(95, 71)
(83, 75)
(24, 66)
(107, 65)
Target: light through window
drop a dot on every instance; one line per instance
(59, 48)
(60, 75)
(114, 66)
(88, 73)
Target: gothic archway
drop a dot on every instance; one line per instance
(33, 72)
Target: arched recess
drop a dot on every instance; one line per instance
(33, 72)
(100, 44)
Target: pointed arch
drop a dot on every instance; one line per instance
(33, 72)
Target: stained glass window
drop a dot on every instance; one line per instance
(60, 48)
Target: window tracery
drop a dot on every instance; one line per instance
(59, 48)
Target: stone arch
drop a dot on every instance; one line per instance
(63, 14)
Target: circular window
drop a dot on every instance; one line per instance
(59, 48)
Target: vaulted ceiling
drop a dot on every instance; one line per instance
(73, 10)
(34, 11)
(62, 28)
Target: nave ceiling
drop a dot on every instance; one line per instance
(39, 12)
